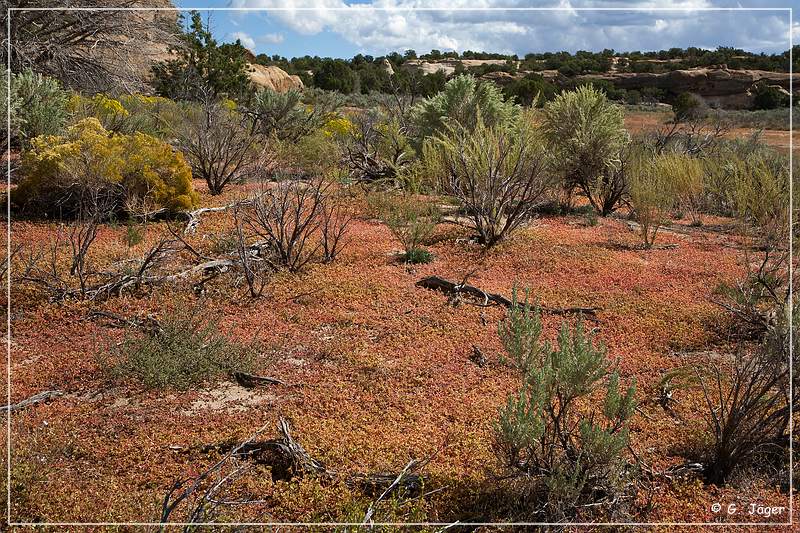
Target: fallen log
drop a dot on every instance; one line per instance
(288, 459)
(486, 299)
(251, 381)
(148, 324)
(43, 396)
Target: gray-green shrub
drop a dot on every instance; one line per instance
(555, 437)
(497, 173)
(586, 134)
(42, 105)
(184, 351)
(462, 101)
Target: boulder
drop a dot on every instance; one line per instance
(274, 78)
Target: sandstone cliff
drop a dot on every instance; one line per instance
(721, 86)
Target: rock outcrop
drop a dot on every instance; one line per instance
(718, 86)
(274, 78)
(447, 66)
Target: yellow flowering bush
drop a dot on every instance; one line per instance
(337, 127)
(58, 170)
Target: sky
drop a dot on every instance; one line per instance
(336, 28)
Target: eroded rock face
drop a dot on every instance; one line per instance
(274, 78)
(448, 66)
(721, 86)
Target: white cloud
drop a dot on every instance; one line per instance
(272, 38)
(460, 26)
(247, 41)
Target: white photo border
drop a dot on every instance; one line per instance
(350, 8)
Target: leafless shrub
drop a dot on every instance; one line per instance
(254, 268)
(336, 219)
(218, 145)
(747, 407)
(691, 137)
(298, 222)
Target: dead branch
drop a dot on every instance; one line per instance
(36, 398)
(371, 510)
(172, 500)
(195, 216)
(486, 299)
(148, 324)
(251, 381)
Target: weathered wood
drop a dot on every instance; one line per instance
(251, 381)
(43, 396)
(486, 299)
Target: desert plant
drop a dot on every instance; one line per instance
(586, 133)
(286, 117)
(60, 172)
(183, 351)
(218, 146)
(109, 111)
(412, 222)
(498, 174)
(688, 174)
(92, 48)
(336, 218)
(688, 106)
(747, 404)
(760, 193)
(11, 102)
(378, 150)
(564, 457)
(314, 155)
(462, 101)
(652, 194)
(767, 96)
(289, 217)
(41, 105)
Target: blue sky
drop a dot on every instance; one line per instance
(303, 27)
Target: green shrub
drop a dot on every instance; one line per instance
(688, 175)
(533, 89)
(185, 351)
(462, 101)
(652, 193)
(286, 117)
(335, 75)
(411, 221)
(586, 134)
(378, 150)
(42, 108)
(767, 96)
(417, 256)
(498, 174)
(133, 235)
(555, 437)
(11, 124)
(760, 193)
(61, 172)
(688, 106)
